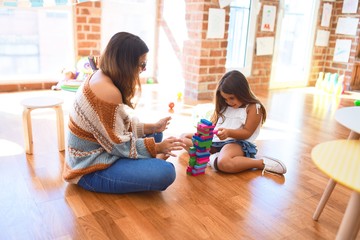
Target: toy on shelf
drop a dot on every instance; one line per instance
(357, 102)
(200, 151)
(69, 81)
(84, 68)
(73, 79)
(94, 62)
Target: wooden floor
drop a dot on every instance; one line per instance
(35, 203)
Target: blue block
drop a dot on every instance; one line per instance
(206, 122)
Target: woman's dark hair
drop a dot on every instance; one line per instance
(235, 83)
(120, 62)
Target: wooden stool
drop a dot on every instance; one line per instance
(42, 102)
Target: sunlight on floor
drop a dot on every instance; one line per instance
(277, 130)
(9, 148)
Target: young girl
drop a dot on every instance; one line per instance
(107, 150)
(238, 117)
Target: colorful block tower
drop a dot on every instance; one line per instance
(200, 151)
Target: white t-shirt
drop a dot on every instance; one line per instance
(236, 118)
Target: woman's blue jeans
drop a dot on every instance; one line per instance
(130, 175)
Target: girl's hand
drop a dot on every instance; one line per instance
(223, 133)
(161, 125)
(170, 144)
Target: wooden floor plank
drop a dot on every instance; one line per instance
(35, 203)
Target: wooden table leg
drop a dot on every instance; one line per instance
(324, 198)
(349, 226)
(353, 135)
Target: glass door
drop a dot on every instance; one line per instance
(294, 43)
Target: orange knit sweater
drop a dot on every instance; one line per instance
(101, 133)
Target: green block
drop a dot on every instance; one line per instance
(192, 161)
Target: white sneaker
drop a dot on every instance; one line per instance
(212, 160)
(273, 165)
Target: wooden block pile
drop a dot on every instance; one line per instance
(200, 151)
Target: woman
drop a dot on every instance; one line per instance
(107, 150)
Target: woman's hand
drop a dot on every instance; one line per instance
(170, 144)
(161, 125)
(223, 133)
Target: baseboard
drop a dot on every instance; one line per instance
(17, 87)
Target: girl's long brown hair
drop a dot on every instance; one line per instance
(120, 62)
(235, 83)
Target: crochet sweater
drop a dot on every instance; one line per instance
(101, 133)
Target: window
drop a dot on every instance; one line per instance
(35, 43)
(134, 16)
(241, 35)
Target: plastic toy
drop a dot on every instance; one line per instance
(319, 81)
(325, 82)
(200, 151)
(171, 105)
(93, 61)
(339, 86)
(84, 69)
(357, 102)
(331, 83)
(179, 95)
(73, 79)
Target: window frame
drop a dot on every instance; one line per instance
(250, 45)
(43, 76)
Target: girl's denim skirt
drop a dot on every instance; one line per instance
(248, 147)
